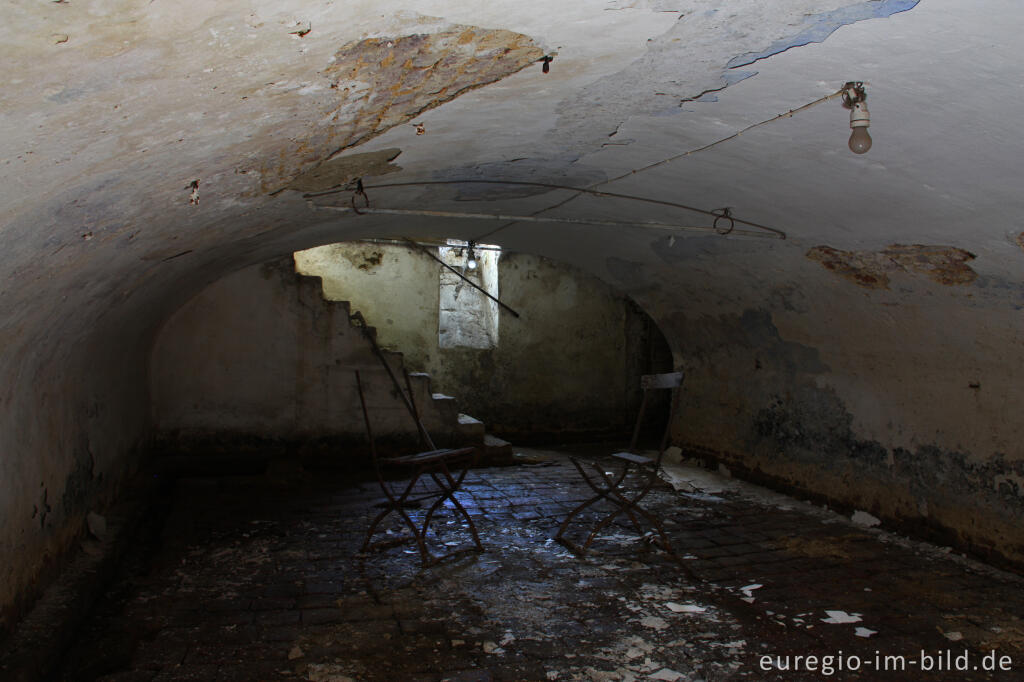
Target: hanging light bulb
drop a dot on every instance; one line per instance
(860, 141)
(471, 261)
(855, 99)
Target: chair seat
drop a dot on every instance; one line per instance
(635, 459)
(428, 456)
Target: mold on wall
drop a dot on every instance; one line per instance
(837, 415)
(91, 432)
(569, 365)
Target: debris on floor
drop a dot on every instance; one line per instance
(250, 579)
(865, 520)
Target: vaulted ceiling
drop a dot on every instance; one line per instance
(149, 147)
(111, 110)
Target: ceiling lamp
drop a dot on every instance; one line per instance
(471, 260)
(855, 99)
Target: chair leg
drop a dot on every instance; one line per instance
(453, 486)
(630, 506)
(560, 535)
(395, 504)
(654, 521)
(601, 494)
(616, 497)
(448, 488)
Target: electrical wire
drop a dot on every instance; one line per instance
(676, 157)
(725, 215)
(718, 214)
(552, 186)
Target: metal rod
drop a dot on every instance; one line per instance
(541, 219)
(421, 242)
(551, 185)
(366, 420)
(464, 278)
(361, 323)
(416, 413)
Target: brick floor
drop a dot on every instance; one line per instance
(254, 579)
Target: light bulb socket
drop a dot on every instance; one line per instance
(859, 116)
(853, 92)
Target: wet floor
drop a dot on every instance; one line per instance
(248, 578)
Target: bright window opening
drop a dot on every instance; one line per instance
(467, 318)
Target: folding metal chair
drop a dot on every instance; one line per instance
(437, 464)
(621, 490)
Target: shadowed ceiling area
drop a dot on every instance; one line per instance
(872, 357)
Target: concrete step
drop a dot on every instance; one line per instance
(422, 391)
(496, 452)
(447, 407)
(470, 429)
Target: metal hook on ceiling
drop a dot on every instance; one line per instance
(359, 191)
(723, 214)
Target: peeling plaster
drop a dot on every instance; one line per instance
(339, 171)
(714, 31)
(385, 82)
(818, 27)
(870, 269)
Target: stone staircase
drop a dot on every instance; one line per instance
(438, 412)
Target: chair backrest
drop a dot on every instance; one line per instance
(652, 382)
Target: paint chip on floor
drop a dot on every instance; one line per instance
(864, 519)
(654, 622)
(839, 617)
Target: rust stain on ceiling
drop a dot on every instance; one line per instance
(385, 82)
(870, 269)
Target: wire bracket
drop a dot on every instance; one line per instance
(359, 192)
(723, 214)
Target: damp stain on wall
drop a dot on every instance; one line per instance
(871, 269)
(769, 410)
